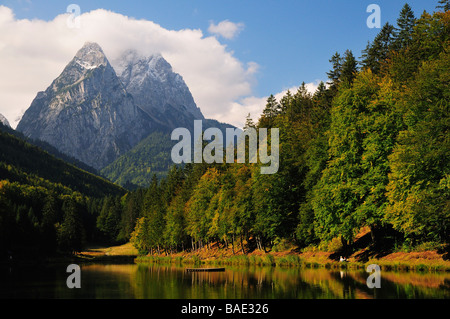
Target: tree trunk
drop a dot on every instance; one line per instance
(373, 235)
(232, 243)
(258, 243)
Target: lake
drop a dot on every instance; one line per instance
(144, 281)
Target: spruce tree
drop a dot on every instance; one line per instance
(335, 73)
(378, 51)
(249, 123)
(271, 110)
(444, 4)
(404, 29)
(349, 68)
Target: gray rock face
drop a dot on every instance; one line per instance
(4, 121)
(87, 112)
(156, 89)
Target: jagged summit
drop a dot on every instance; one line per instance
(156, 89)
(91, 56)
(134, 68)
(133, 58)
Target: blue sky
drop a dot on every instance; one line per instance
(291, 41)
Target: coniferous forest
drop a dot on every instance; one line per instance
(370, 148)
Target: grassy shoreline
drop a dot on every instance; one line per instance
(423, 261)
(427, 260)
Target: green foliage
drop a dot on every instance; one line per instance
(270, 112)
(419, 188)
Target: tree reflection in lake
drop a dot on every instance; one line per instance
(173, 282)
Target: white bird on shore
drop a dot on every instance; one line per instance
(341, 259)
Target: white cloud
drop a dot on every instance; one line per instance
(226, 29)
(34, 52)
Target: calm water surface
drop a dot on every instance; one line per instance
(131, 281)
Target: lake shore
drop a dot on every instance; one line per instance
(428, 260)
(421, 261)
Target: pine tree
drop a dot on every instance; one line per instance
(335, 73)
(249, 123)
(378, 51)
(321, 89)
(444, 4)
(271, 110)
(349, 68)
(286, 102)
(404, 29)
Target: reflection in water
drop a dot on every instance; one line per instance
(172, 282)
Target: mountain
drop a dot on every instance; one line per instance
(86, 112)
(157, 90)
(116, 118)
(4, 121)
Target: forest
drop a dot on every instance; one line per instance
(370, 148)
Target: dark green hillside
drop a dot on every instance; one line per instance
(19, 160)
(50, 149)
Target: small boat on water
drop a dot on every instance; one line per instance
(205, 269)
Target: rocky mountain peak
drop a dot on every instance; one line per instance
(96, 113)
(91, 56)
(156, 88)
(86, 112)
